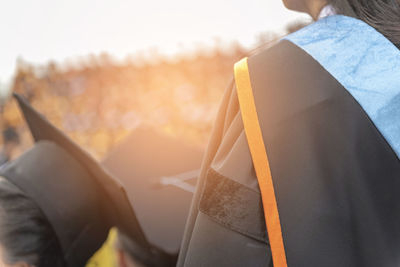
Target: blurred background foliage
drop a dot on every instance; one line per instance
(99, 100)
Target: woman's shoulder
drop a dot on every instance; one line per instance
(329, 39)
(348, 49)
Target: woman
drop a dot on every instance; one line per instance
(303, 165)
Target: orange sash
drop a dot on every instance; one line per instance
(260, 162)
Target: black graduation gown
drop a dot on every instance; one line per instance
(333, 153)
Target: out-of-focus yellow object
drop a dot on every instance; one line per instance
(105, 256)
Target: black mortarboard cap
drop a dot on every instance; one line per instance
(78, 197)
(159, 178)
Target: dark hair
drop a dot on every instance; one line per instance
(25, 233)
(383, 15)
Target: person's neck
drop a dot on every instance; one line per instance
(314, 8)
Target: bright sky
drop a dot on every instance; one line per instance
(43, 30)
